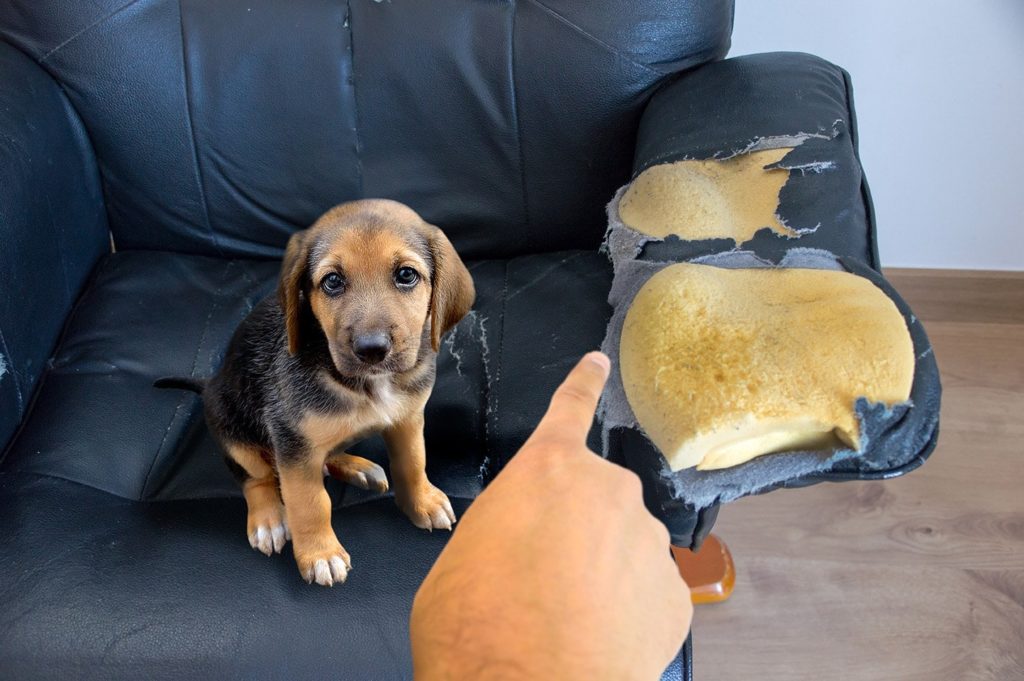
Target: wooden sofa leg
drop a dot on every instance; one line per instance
(709, 572)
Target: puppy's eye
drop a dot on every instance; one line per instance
(332, 284)
(406, 277)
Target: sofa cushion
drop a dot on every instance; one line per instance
(125, 553)
(101, 587)
(172, 590)
(97, 420)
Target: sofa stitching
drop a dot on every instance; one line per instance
(194, 146)
(355, 97)
(248, 296)
(192, 372)
(607, 46)
(516, 113)
(88, 28)
(200, 177)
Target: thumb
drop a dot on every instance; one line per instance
(572, 407)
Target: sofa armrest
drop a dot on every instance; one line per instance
(773, 100)
(52, 221)
(801, 107)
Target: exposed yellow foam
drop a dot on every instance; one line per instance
(730, 199)
(721, 366)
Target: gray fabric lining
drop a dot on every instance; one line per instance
(704, 488)
(622, 243)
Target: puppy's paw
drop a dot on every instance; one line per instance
(326, 567)
(267, 529)
(355, 470)
(428, 508)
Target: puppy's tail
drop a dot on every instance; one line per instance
(196, 385)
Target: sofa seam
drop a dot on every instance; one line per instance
(83, 31)
(184, 396)
(517, 114)
(612, 49)
(355, 97)
(865, 190)
(198, 175)
(61, 478)
(197, 172)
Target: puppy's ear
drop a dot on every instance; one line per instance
(289, 287)
(452, 292)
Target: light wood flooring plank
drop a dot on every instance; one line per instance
(921, 577)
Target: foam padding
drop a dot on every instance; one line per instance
(709, 199)
(894, 439)
(723, 365)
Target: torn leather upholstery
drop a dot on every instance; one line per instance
(801, 106)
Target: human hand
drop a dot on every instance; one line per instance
(557, 570)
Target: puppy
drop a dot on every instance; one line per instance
(346, 348)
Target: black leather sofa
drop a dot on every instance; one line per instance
(155, 155)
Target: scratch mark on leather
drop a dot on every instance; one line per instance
(485, 355)
(491, 382)
(472, 327)
(14, 376)
(816, 167)
(449, 344)
(121, 637)
(781, 141)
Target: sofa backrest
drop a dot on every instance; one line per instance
(222, 127)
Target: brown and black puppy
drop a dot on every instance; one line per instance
(346, 348)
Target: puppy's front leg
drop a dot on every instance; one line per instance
(427, 506)
(319, 554)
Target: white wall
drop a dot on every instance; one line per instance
(939, 91)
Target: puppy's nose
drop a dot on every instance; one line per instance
(371, 348)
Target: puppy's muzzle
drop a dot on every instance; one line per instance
(371, 348)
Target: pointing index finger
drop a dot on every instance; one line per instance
(572, 407)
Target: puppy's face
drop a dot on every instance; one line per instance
(379, 282)
(370, 293)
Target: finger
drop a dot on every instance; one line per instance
(572, 407)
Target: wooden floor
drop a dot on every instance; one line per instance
(921, 577)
